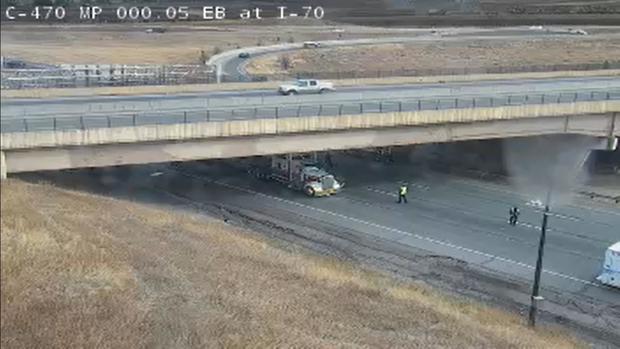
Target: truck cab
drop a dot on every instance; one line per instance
(317, 182)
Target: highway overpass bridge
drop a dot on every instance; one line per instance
(107, 131)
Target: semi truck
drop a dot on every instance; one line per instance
(298, 172)
(610, 274)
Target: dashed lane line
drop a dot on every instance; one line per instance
(511, 192)
(425, 187)
(398, 231)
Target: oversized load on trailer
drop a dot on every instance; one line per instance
(298, 172)
(611, 266)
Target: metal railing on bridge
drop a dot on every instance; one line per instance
(128, 119)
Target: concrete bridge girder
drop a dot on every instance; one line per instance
(270, 126)
(52, 158)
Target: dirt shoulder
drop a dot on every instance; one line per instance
(112, 273)
(443, 55)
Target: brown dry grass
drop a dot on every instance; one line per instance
(85, 271)
(130, 44)
(115, 46)
(446, 55)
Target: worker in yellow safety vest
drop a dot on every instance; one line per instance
(402, 194)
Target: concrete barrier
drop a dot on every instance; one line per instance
(3, 168)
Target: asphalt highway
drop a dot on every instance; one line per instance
(447, 216)
(113, 105)
(450, 216)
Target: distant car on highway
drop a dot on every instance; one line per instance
(536, 203)
(306, 87)
(577, 31)
(244, 55)
(156, 30)
(312, 44)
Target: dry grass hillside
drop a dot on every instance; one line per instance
(82, 271)
(130, 44)
(444, 55)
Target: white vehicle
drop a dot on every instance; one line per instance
(298, 173)
(577, 31)
(535, 203)
(311, 44)
(306, 86)
(611, 266)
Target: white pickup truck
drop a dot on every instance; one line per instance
(306, 86)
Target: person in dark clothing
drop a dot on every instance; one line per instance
(514, 216)
(328, 160)
(402, 194)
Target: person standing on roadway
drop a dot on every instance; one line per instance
(402, 194)
(514, 216)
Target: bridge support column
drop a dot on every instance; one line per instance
(218, 73)
(3, 169)
(612, 141)
(289, 166)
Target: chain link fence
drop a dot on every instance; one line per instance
(98, 75)
(81, 122)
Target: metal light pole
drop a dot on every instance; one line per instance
(536, 298)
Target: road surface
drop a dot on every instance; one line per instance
(249, 99)
(450, 216)
(446, 217)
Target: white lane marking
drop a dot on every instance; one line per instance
(527, 225)
(381, 192)
(397, 231)
(538, 209)
(518, 194)
(427, 188)
(384, 192)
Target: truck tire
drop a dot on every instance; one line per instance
(309, 191)
(323, 90)
(292, 92)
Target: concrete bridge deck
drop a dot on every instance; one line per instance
(60, 149)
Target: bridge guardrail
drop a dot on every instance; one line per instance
(82, 122)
